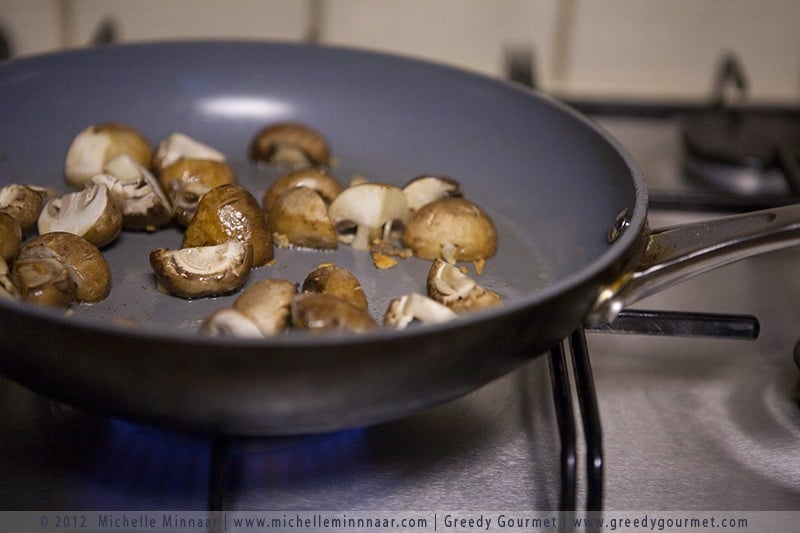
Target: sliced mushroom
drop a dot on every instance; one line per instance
(93, 147)
(360, 213)
(323, 312)
(86, 266)
(334, 280)
(230, 322)
(448, 285)
(203, 271)
(136, 193)
(425, 189)
(267, 304)
(290, 144)
(90, 213)
(230, 212)
(181, 146)
(451, 221)
(299, 217)
(10, 237)
(44, 281)
(8, 289)
(23, 202)
(414, 306)
(316, 178)
(186, 180)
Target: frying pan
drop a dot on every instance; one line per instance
(554, 184)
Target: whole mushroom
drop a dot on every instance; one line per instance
(290, 144)
(230, 212)
(334, 280)
(299, 217)
(186, 180)
(267, 303)
(261, 310)
(452, 223)
(323, 312)
(93, 147)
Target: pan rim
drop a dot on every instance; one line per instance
(609, 260)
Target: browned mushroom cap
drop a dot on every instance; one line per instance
(187, 180)
(290, 144)
(90, 213)
(96, 145)
(267, 304)
(316, 178)
(10, 237)
(299, 217)
(87, 267)
(22, 202)
(448, 285)
(425, 189)
(334, 280)
(455, 222)
(323, 312)
(44, 281)
(203, 271)
(230, 212)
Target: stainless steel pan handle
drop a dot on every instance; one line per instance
(678, 253)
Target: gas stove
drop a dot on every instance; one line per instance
(702, 415)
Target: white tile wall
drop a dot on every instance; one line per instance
(32, 26)
(468, 33)
(670, 48)
(639, 48)
(181, 19)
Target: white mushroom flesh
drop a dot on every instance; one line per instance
(369, 206)
(136, 192)
(86, 155)
(426, 189)
(180, 145)
(230, 322)
(8, 290)
(84, 213)
(267, 304)
(203, 271)
(414, 306)
(203, 260)
(450, 286)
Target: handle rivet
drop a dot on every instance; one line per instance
(620, 223)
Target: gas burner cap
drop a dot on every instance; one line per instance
(736, 179)
(743, 151)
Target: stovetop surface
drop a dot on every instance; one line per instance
(687, 423)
